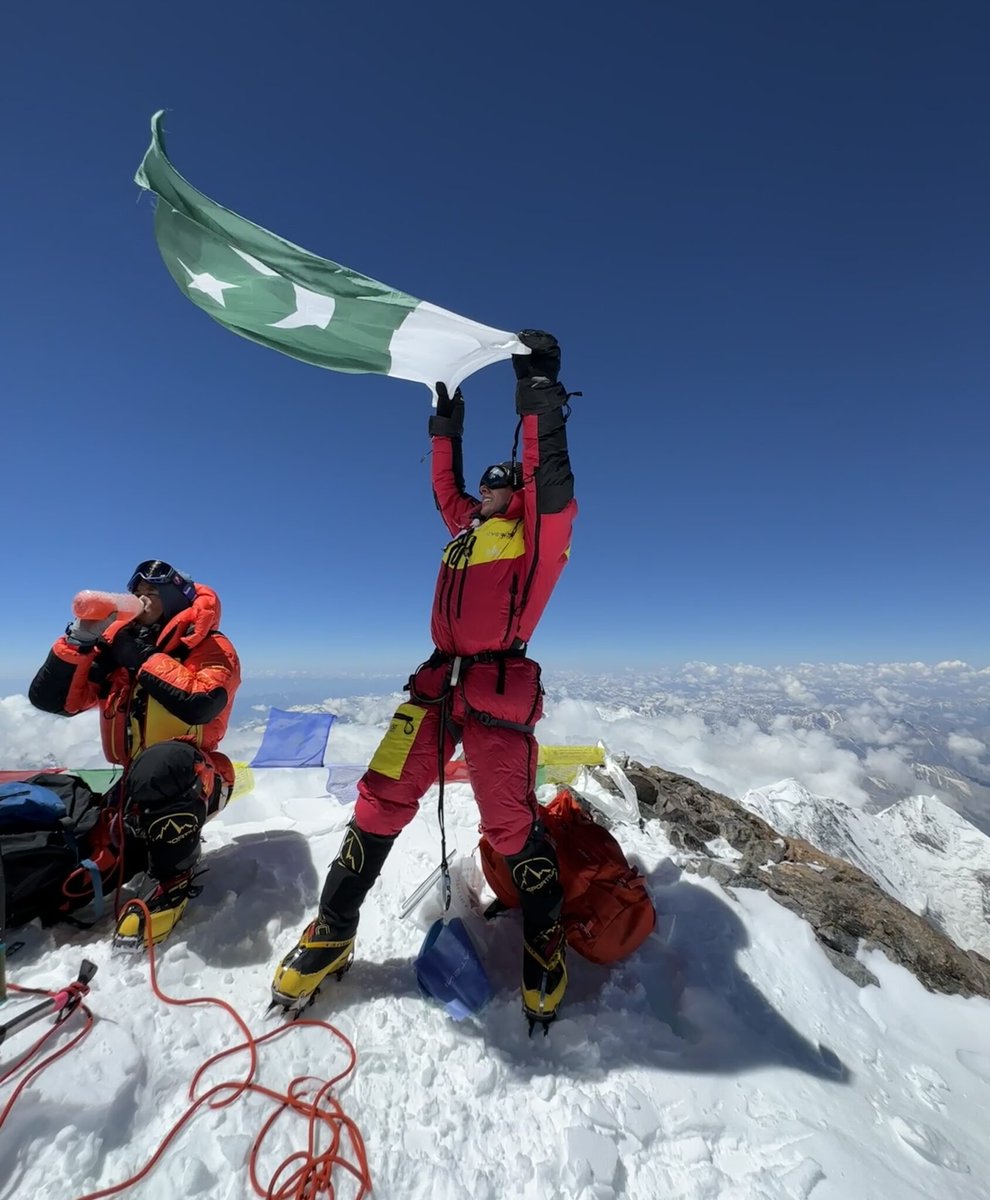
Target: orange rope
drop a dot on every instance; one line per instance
(308, 1173)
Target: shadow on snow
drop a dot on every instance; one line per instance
(680, 1004)
(256, 883)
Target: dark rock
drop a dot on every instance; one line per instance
(844, 906)
(850, 967)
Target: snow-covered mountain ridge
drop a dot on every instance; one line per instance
(919, 850)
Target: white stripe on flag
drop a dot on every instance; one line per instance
(433, 344)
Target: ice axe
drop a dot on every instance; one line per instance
(61, 1004)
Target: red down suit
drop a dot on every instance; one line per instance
(496, 576)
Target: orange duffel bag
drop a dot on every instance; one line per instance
(607, 911)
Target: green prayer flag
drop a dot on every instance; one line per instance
(263, 287)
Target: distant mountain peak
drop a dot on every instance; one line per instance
(846, 905)
(919, 850)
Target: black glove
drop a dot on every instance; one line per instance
(544, 362)
(128, 650)
(448, 420)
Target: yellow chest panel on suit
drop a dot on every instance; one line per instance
(493, 539)
(159, 725)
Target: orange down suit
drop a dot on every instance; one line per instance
(183, 692)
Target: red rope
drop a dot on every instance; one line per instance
(308, 1173)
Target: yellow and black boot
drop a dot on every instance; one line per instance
(165, 903)
(544, 975)
(326, 946)
(544, 972)
(165, 792)
(318, 953)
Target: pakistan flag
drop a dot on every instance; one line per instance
(264, 288)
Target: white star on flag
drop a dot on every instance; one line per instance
(208, 284)
(311, 309)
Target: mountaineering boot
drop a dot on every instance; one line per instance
(166, 903)
(317, 954)
(174, 849)
(544, 975)
(326, 946)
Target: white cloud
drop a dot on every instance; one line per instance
(966, 746)
(873, 725)
(844, 731)
(795, 690)
(891, 765)
(732, 757)
(31, 739)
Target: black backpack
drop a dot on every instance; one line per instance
(45, 827)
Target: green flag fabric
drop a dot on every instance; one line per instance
(262, 287)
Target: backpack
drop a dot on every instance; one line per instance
(48, 825)
(607, 912)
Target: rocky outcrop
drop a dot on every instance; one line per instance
(844, 906)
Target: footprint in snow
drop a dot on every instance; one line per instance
(929, 1144)
(928, 1085)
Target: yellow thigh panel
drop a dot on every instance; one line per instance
(393, 750)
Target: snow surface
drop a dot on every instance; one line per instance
(726, 1060)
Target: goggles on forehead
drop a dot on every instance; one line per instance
(502, 475)
(156, 572)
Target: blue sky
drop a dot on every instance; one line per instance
(759, 231)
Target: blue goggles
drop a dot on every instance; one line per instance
(156, 572)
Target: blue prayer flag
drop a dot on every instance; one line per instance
(294, 739)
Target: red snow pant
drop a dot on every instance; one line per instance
(501, 761)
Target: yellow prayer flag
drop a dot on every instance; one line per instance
(243, 781)
(561, 756)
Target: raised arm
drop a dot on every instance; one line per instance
(548, 484)
(69, 679)
(456, 506)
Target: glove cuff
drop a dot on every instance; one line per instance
(539, 395)
(80, 639)
(447, 427)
